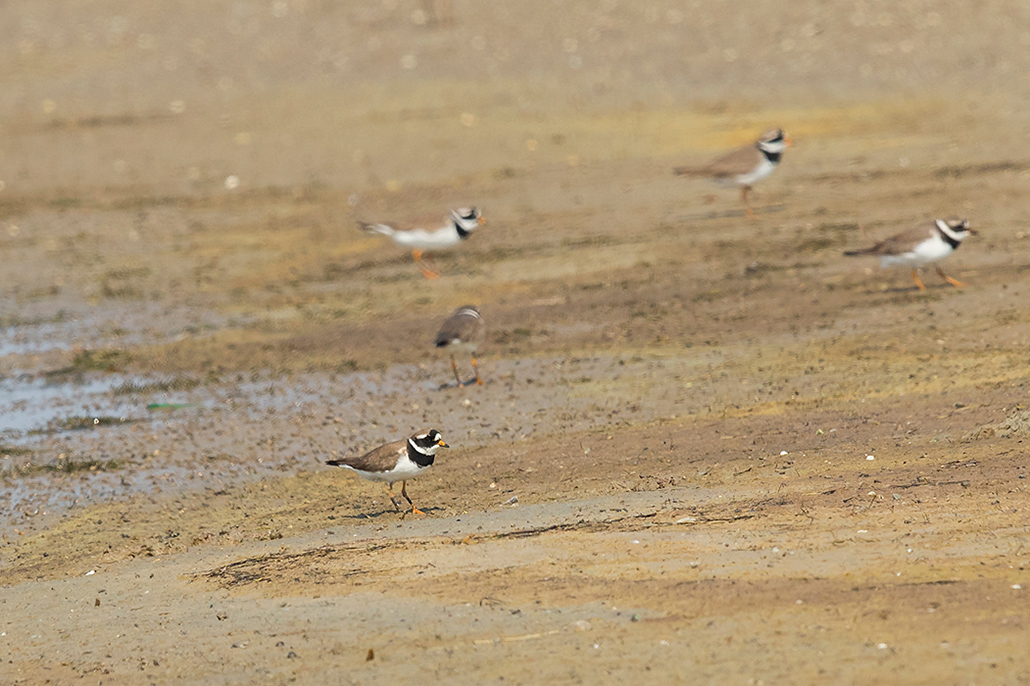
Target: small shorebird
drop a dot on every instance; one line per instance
(460, 225)
(462, 330)
(744, 166)
(397, 461)
(921, 246)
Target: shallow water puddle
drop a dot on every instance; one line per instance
(32, 339)
(32, 403)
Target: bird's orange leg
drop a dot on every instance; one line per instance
(454, 368)
(747, 207)
(475, 366)
(426, 271)
(404, 492)
(953, 282)
(389, 491)
(915, 277)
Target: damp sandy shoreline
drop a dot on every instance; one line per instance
(708, 450)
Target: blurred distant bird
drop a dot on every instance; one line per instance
(397, 461)
(460, 225)
(920, 246)
(463, 329)
(744, 166)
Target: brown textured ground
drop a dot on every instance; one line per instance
(709, 450)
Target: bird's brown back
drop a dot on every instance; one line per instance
(382, 459)
(901, 242)
(733, 163)
(461, 326)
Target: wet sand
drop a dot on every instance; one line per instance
(708, 450)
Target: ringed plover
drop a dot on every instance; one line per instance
(462, 330)
(921, 246)
(460, 225)
(397, 461)
(744, 166)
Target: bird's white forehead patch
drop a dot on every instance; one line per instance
(422, 436)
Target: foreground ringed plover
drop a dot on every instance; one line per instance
(921, 246)
(744, 166)
(463, 330)
(397, 461)
(460, 225)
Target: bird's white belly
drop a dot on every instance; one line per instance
(462, 346)
(929, 251)
(428, 240)
(406, 469)
(761, 171)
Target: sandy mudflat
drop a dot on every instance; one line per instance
(708, 450)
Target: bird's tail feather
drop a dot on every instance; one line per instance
(334, 463)
(382, 229)
(853, 253)
(688, 171)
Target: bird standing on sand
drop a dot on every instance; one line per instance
(921, 246)
(397, 461)
(462, 330)
(744, 166)
(460, 225)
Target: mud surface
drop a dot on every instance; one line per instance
(708, 449)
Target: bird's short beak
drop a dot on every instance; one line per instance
(973, 231)
(788, 140)
(442, 444)
(482, 219)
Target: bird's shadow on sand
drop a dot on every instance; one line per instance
(935, 290)
(726, 214)
(403, 513)
(471, 383)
